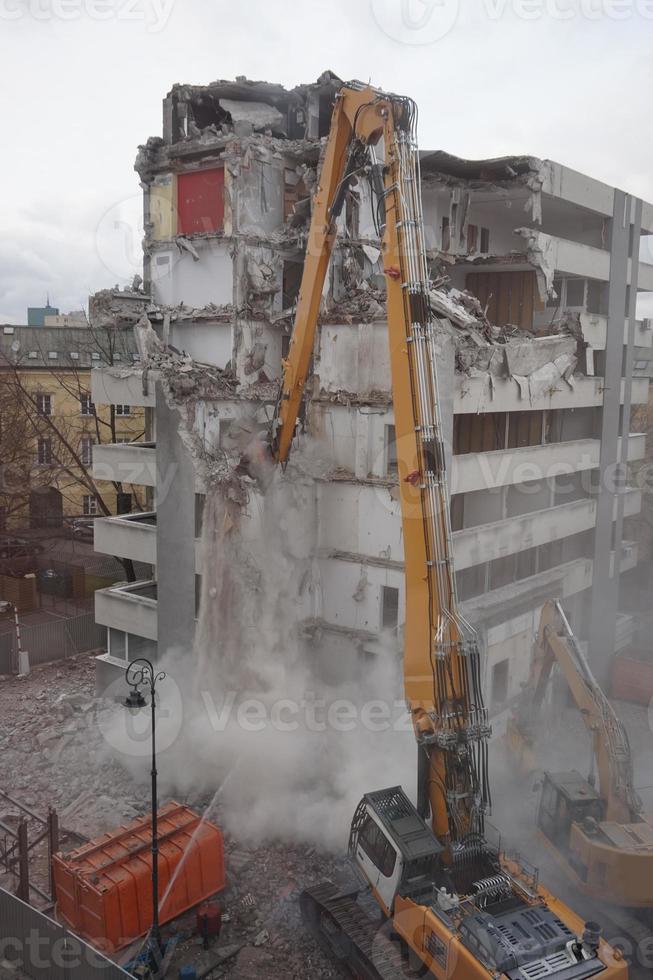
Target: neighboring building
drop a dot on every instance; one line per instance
(535, 320)
(36, 314)
(45, 371)
(76, 318)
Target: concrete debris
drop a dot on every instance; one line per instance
(118, 307)
(544, 380)
(541, 250)
(181, 376)
(182, 313)
(63, 764)
(362, 304)
(460, 308)
(255, 358)
(184, 245)
(528, 356)
(262, 929)
(264, 269)
(248, 117)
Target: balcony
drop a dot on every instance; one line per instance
(486, 471)
(365, 520)
(121, 386)
(502, 611)
(129, 607)
(595, 331)
(485, 394)
(487, 542)
(126, 462)
(127, 536)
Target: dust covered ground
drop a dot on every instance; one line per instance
(52, 755)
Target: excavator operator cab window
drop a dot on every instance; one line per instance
(377, 847)
(566, 798)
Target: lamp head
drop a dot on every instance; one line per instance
(135, 700)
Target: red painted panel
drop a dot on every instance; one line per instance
(200, 201)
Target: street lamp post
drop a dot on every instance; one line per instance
(141, 673)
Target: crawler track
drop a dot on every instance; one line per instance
(364, 947)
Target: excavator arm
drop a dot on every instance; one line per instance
(357, 123)
(441, 659)
(556, 644)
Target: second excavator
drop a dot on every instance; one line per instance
(599, 834)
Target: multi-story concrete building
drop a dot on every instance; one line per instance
(536, 273)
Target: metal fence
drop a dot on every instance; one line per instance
(54, 640)
(44, 950)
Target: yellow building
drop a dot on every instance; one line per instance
(49, 424)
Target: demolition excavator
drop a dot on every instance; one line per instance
(599, 835)
(451, 906)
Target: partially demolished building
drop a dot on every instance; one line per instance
(535, 272)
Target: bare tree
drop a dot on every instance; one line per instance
(15, 460)
(40, 448)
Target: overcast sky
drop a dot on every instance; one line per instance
(82, 84)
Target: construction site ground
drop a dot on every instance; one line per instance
(51, 756)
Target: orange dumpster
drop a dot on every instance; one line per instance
(104, 888)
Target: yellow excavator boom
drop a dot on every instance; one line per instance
(447, 891)
(441, 660)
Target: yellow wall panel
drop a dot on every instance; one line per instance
(163, 207)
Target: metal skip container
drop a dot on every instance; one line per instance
(104, 888)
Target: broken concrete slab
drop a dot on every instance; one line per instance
(526, 357)
(258, 115)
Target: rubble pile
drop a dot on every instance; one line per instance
(182, 377)
(54, 755)
(262, 931)
(53, 750)
(362, 304)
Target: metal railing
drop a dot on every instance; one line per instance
(44, 950)
(54, 640)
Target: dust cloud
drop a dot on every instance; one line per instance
(289, 733)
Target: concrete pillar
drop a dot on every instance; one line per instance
(175, 532)
(446, 373)
(605, 587)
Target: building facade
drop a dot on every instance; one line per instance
(535, 273)
(50, 423)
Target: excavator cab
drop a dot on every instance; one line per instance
(566, 798)
(392, 847)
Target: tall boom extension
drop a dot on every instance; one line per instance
(455, 906)
(441, 659)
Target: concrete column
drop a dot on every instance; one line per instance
(175, 532)
(446, 372)
(628, 390)
(605, 588)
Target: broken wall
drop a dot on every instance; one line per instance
(200, 279)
